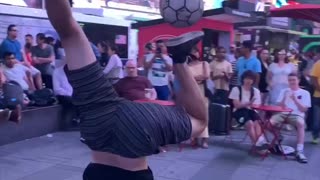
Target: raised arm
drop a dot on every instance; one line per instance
(74, 41)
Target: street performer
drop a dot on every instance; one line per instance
(122, 133)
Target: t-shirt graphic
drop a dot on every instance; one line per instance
(159, 68)
(158, 74)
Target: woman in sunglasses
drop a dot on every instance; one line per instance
(277, 76)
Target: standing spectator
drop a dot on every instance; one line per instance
(315, 79)
(159, 65)
(36, 74)
(113, 70)
(104, 57)
(50, 40)
(201, 72)
(299, 101)
(264, 57)
(11, 44)
(61, 86)
(59, 52)
(278, 75)
(221, 72)
(63, 90)
(234, 78)
(42, 57)
(28, 48)
(248, 61)
(135, 87)
(231, 56)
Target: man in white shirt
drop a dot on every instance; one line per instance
(17, 72)
(159, 65)
(61, 85)
(298, 100)
(63, 90)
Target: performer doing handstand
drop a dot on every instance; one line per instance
(121, 133)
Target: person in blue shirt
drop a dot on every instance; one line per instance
(11, 44)
(248, 61)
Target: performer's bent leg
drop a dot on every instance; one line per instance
(187, 91)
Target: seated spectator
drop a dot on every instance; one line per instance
(14, 113)
(243, 98)
(17, 72)
(299, 101)
(134, 87)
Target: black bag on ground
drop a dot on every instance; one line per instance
(219, 119)
(43, 97)
(12, 95)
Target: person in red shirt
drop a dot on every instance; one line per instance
(134, 87)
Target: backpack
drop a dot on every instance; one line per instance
(43, 97)
(13, 95)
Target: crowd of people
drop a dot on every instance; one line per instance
(248, 76)
(242, 77)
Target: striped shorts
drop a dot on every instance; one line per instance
(115, 125)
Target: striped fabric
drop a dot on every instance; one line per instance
(115, 125)
(234, 78)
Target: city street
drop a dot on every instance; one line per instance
(62, 156)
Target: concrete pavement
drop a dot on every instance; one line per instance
(63, 157)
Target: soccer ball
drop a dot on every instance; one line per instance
(181, 13)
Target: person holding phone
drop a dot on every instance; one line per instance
(159, 65)
(243, 98)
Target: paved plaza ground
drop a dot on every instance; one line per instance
(62, 156)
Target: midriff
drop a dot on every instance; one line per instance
(109, 159)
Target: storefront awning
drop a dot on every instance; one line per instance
(299, 11)
(272, 29)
